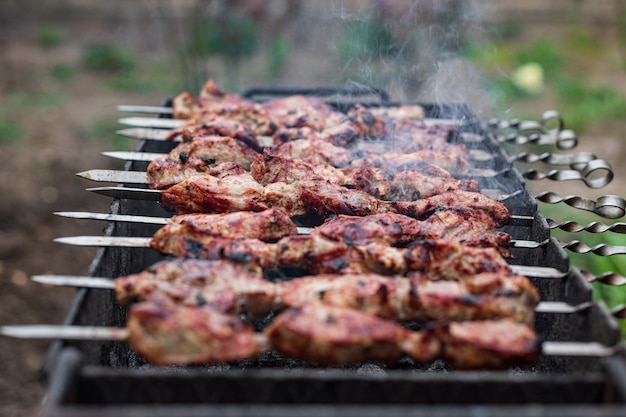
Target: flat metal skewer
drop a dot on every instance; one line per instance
(553, 307)
(165, 123)
(474, 154)
(140, 177)
(143, 242)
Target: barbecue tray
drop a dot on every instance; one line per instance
(90, 378)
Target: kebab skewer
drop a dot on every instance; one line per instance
(235, 289)
(167, 334)
(208, 194)
(420, 180)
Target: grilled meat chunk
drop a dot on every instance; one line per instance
(184, 105)
(298, 111)
(167, 334)
(489, 344)
(331, 335)
(226, 286)
(268, 225)
(220, 126)
(200, 156)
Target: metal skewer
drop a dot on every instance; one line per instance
(474, 154)
(140, 177)
(552, 307)
(144, 242)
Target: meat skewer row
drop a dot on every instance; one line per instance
(236, 289)
(472, 227)
(420, 181)
(202, 153)
(166, 334)
(316, 254)
(209, 194)
(298, 116)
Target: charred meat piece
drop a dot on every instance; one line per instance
(268, 225)
(200, 156)
(252, 115)
(167, 334)
(489, 344)
(211, 93)
(185, 105)
(396, 161)
(330, 335)
(229, 287)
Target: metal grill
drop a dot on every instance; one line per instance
(91, 378)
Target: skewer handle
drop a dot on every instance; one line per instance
(43, 331)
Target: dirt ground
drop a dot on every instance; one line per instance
(37, 179)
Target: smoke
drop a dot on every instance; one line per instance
(457, 81)
(415, 49)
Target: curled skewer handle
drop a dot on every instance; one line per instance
(608, 206)
(528, 131)
(593, 227)
(575, 160)
(608, 278)
(601, 249)
(588, 174)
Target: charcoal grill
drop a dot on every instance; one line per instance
(90, 378)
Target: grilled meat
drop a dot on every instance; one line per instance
(226, 286)
(220, 126)
(200, 156)
(208, 194)
(477, 297)
(419, 182)
(491, 344)
(233, 288)
(472, 227)
(318, 254)
(207, 155)
(167, 334)
(268, 225)
(331, 335)
(298, 111)
(317, 151)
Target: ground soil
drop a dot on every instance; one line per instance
(37, 179)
